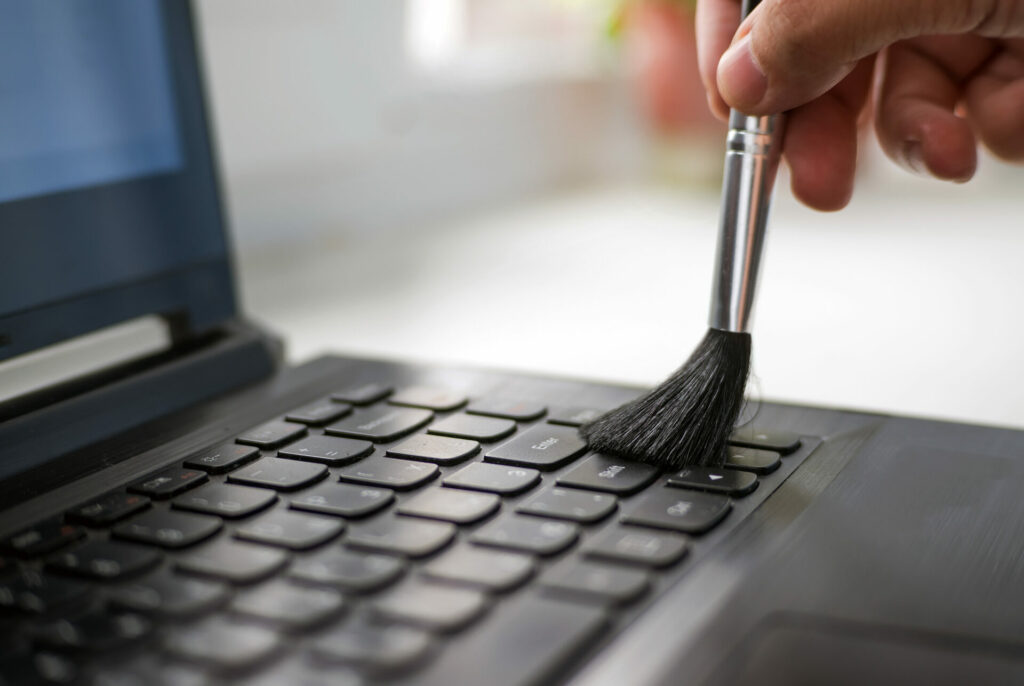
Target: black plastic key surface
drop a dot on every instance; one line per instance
(400, 535)
(524, 643)
(292, 530)
(678, 510)
(519, 410)
(287, 606)
(381, 424)
(97, 630)
(41, 538)
(169, 482)
(783, 442)
(107, 560)
(240, 563)
(272, 434)
(108, 509)
(166, 594)
(574, 416)
(491, 570)
(375, 647)
(225, 500)
(223, 458)
(362, 394)
(609, 473)
(431, 606)
(637, 546)
(389, 472)
(566, 503)
(348, 570)
(544, 446)
(450, 505)
(319, 412)
(298, 671)
(345, 500)
(596, 582)
(726, 481)
(473, 427)
(436, 449)
(439, 399)
(527, 534)
(222, 644)
(494, 478)
(279, 474)
(752, 460)
(330, 450)
(37, 592)
(168, 529)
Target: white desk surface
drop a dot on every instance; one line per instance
(908, 304)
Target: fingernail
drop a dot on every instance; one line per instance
(914, 157)
(740, 79)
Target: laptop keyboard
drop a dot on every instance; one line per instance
(374, 536)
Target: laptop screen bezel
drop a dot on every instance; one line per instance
(196, 297)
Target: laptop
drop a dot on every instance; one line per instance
(204, 514)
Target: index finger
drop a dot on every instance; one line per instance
(716, 24)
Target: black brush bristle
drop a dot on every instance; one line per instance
(687, 419)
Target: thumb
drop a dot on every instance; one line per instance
(789, 52)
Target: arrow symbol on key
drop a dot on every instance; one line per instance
(714, 477)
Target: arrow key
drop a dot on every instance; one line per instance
(727, 481)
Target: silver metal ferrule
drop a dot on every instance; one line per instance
(751, 161)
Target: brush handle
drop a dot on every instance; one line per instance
(753, 149)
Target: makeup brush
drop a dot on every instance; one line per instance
(687, 420)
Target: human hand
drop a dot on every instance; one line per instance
(946, 74)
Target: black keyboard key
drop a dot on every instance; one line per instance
(381, 424)
(400, 535)
(36, 667)
(527, 534)
(494, 478)
(36, 592)
(169, 482)
(299, 672)
(225, 500)
(332, 450)
(240, 563)
(610, 474)
(596, 582)
(349, 570)
(783, 442)
(272, 434)
(223, 458)
(473, 427)
(92, 631)
(519, 410)
(543, 447)
(166, 594)
(168, 529)
(105, 560)
(109, 508)
(437, 449)
(389, 472)
(42, 538)
(319, 412)
(223, 644)
(752, 460)
(565, 503)
(375, 647)
(289, 607)
(491, 570)
(281, 475)
(727, 481)
(574, 416)
(293, 530)
(438, 399)
(450, 505)
(345, 500)
(629, 544)
(679, 510)
(525, 643)
(431, 606)
(364, 394)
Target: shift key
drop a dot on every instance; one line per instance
(544, 446)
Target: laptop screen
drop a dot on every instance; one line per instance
(108, 199)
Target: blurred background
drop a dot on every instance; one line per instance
(533, 185)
